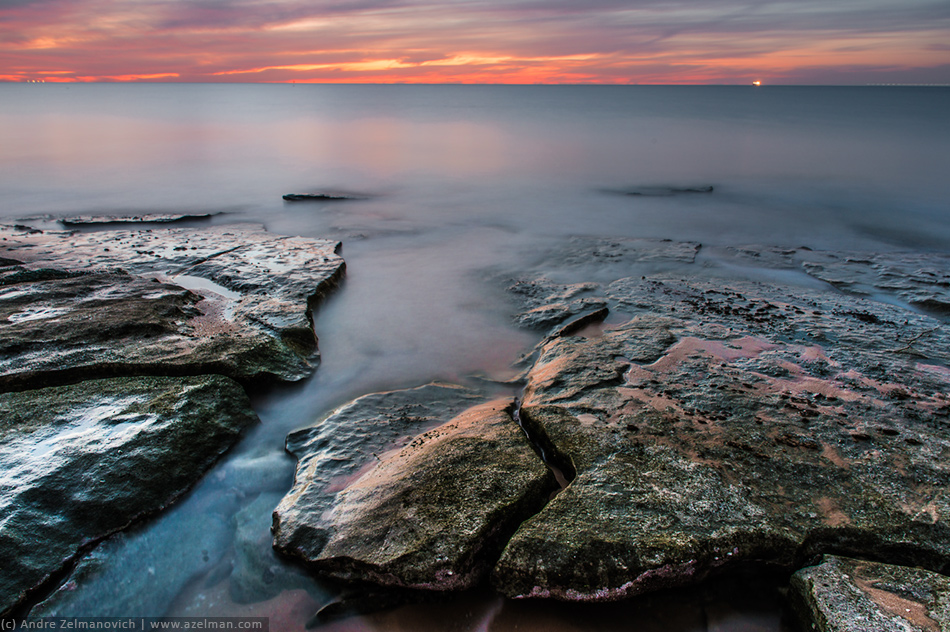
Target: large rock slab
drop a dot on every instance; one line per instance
(848, 595)
(231, 300)
(730, 424)
(83, 461)
(338, 449)
(432, 515)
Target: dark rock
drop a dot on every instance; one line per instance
(665, 191)
(84, 461)
(323, 197)
(694, 455)
(116, 305)
(147, 218)
(434, 515)
(848, 595)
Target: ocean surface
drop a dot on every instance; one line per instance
(457, 180)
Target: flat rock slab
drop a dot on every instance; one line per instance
(80, 462)
(340, 448)
(230, 300)
(730, 424)
(432, 513)
(848, 595)
(147, 218)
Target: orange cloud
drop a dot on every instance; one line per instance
(516, 41)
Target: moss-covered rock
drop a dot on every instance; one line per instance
(83, 461)
(432, 515)
(847, 595)
(730, 424)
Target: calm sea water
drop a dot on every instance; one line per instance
(459, 178)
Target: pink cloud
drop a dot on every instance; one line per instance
(609, 41)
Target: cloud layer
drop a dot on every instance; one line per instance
(477, 41)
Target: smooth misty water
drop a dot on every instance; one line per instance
(460, 178)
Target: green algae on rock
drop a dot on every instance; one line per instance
(230, 300)
(730, 424)
(848, 595)
(430, 516)
(83, 461)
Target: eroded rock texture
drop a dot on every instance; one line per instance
(431, 515)
(735, 423)
(543, 302)
(230, 300)
(848, 595)
(80, 462)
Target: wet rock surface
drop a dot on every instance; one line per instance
(336, 451)
(83, 461)
(711, 425)
(89, 459)
(433, 515)
(546, 304)
(543, 303)
(919, 280)
(848, 595)
(230, 300)
(734, 423)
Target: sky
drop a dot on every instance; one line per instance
(844, 42)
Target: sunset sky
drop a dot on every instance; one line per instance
(477, 41)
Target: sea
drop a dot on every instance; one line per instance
(452, 182)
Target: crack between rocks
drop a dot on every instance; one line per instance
(561, 466)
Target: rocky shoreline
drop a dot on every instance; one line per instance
(122, 360)
(666, 429)
(712, 427)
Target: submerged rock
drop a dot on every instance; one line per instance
(730, 424)
(225, 300)
(664, 191)
(325, 196)
(848, 595)
(433, 515)
(81, 462)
